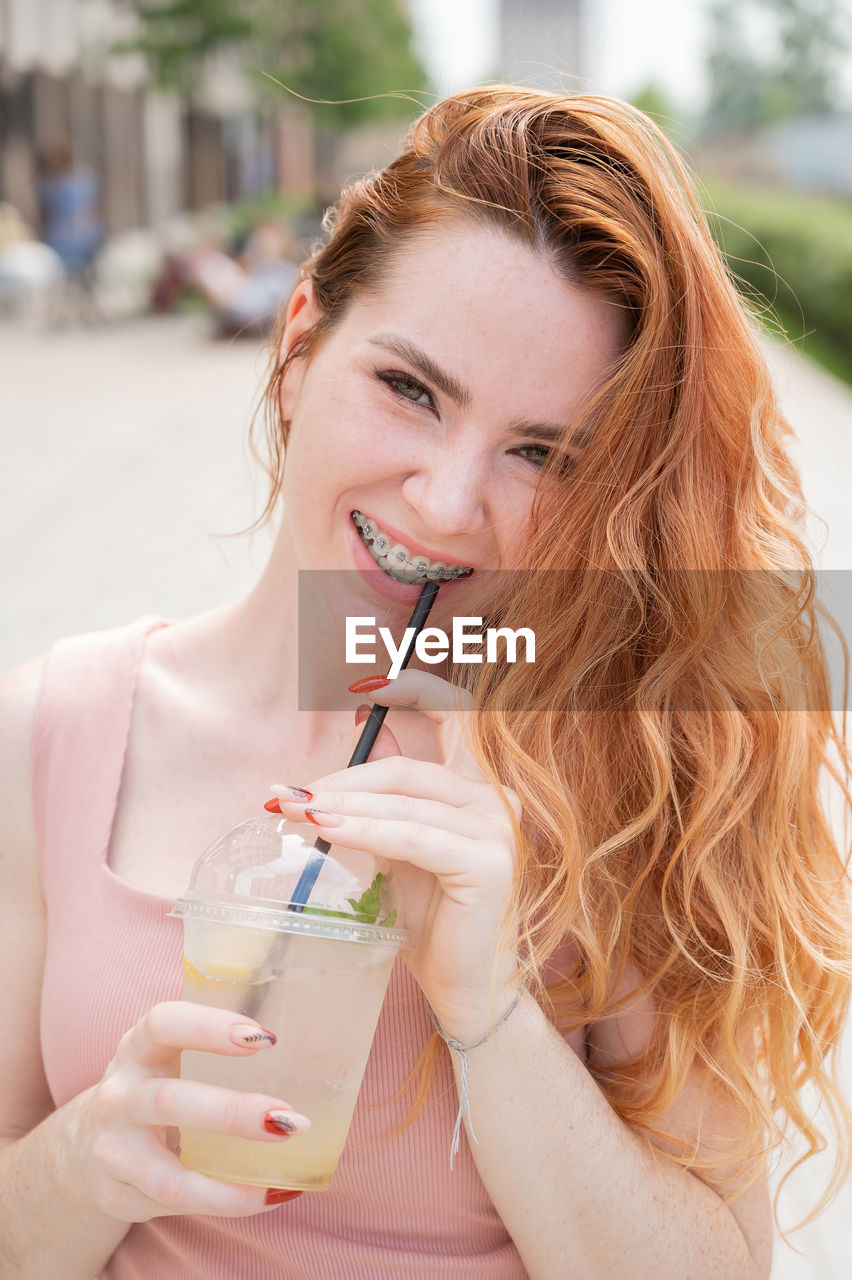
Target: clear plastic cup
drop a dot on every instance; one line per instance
(316, 978)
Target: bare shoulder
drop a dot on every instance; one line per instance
(24, 1097)
(703, 1114)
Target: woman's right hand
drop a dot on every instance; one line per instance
(125, 1144)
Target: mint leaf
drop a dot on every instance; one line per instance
(325, 911)
(368, 906)
(365, 909)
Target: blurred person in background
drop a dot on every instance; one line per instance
(518, 348)
(245, 288)
(68, 195)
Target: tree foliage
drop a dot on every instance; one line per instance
(771, 60)
(335, 50)
(656, 103)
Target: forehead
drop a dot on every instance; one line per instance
(496, 315)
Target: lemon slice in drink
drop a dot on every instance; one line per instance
(227, 954)
(219, 973)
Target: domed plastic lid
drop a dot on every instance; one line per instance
(249, 874)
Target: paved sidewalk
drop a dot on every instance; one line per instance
(123, 454)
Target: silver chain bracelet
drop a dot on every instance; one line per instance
(464, 1064)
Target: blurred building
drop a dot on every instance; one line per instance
(541, 43)
(155, 154)
(810, 152)
(813, 152)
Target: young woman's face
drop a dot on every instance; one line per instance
(432, 404)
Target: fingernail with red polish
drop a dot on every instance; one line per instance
(253, 1037)
(285, 1123)
(369, 684)
(273, 805)
(362, 711)
(321, 819)
(275, 1195)
(299, 793)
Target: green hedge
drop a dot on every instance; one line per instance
(792, 254)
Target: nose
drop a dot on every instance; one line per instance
(449, 490)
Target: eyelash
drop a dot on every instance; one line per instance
(392, 379)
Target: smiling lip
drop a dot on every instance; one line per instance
(414, 548)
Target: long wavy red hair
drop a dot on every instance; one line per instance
(676, 827)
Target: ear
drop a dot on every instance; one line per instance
(302, 316)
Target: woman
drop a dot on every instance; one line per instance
(517, 350)
(68, 197)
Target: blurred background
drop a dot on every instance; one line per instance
(164, 167)
(133, 132)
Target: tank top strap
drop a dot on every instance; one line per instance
(80, 737)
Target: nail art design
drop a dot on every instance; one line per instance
(369, 684)
(322, 819)
(299, 793)
(275, 1195)
(253, 1037)
(285, 1123)
(276, 1122)
(273, 805)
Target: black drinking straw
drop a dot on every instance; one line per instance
(363, 747)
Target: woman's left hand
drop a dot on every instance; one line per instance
(446, 828)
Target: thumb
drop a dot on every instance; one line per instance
(385, 744)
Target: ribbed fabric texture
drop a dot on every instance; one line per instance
(395, 1211)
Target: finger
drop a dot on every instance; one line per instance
(428, 693)
(468, 861)
(161, 1185)
(188, 1104)
(400, 774)
(459, 820)
(174, 1025)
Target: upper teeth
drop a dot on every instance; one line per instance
(397, 561)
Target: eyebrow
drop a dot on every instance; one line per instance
(458, 392)
(426, 365)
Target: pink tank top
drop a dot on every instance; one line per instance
(395, 1209)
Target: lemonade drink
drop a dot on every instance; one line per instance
(321, 995)
(312, 972)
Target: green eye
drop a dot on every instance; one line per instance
(411, 390)
(536, 449)
(539, 454)
(408, 389)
